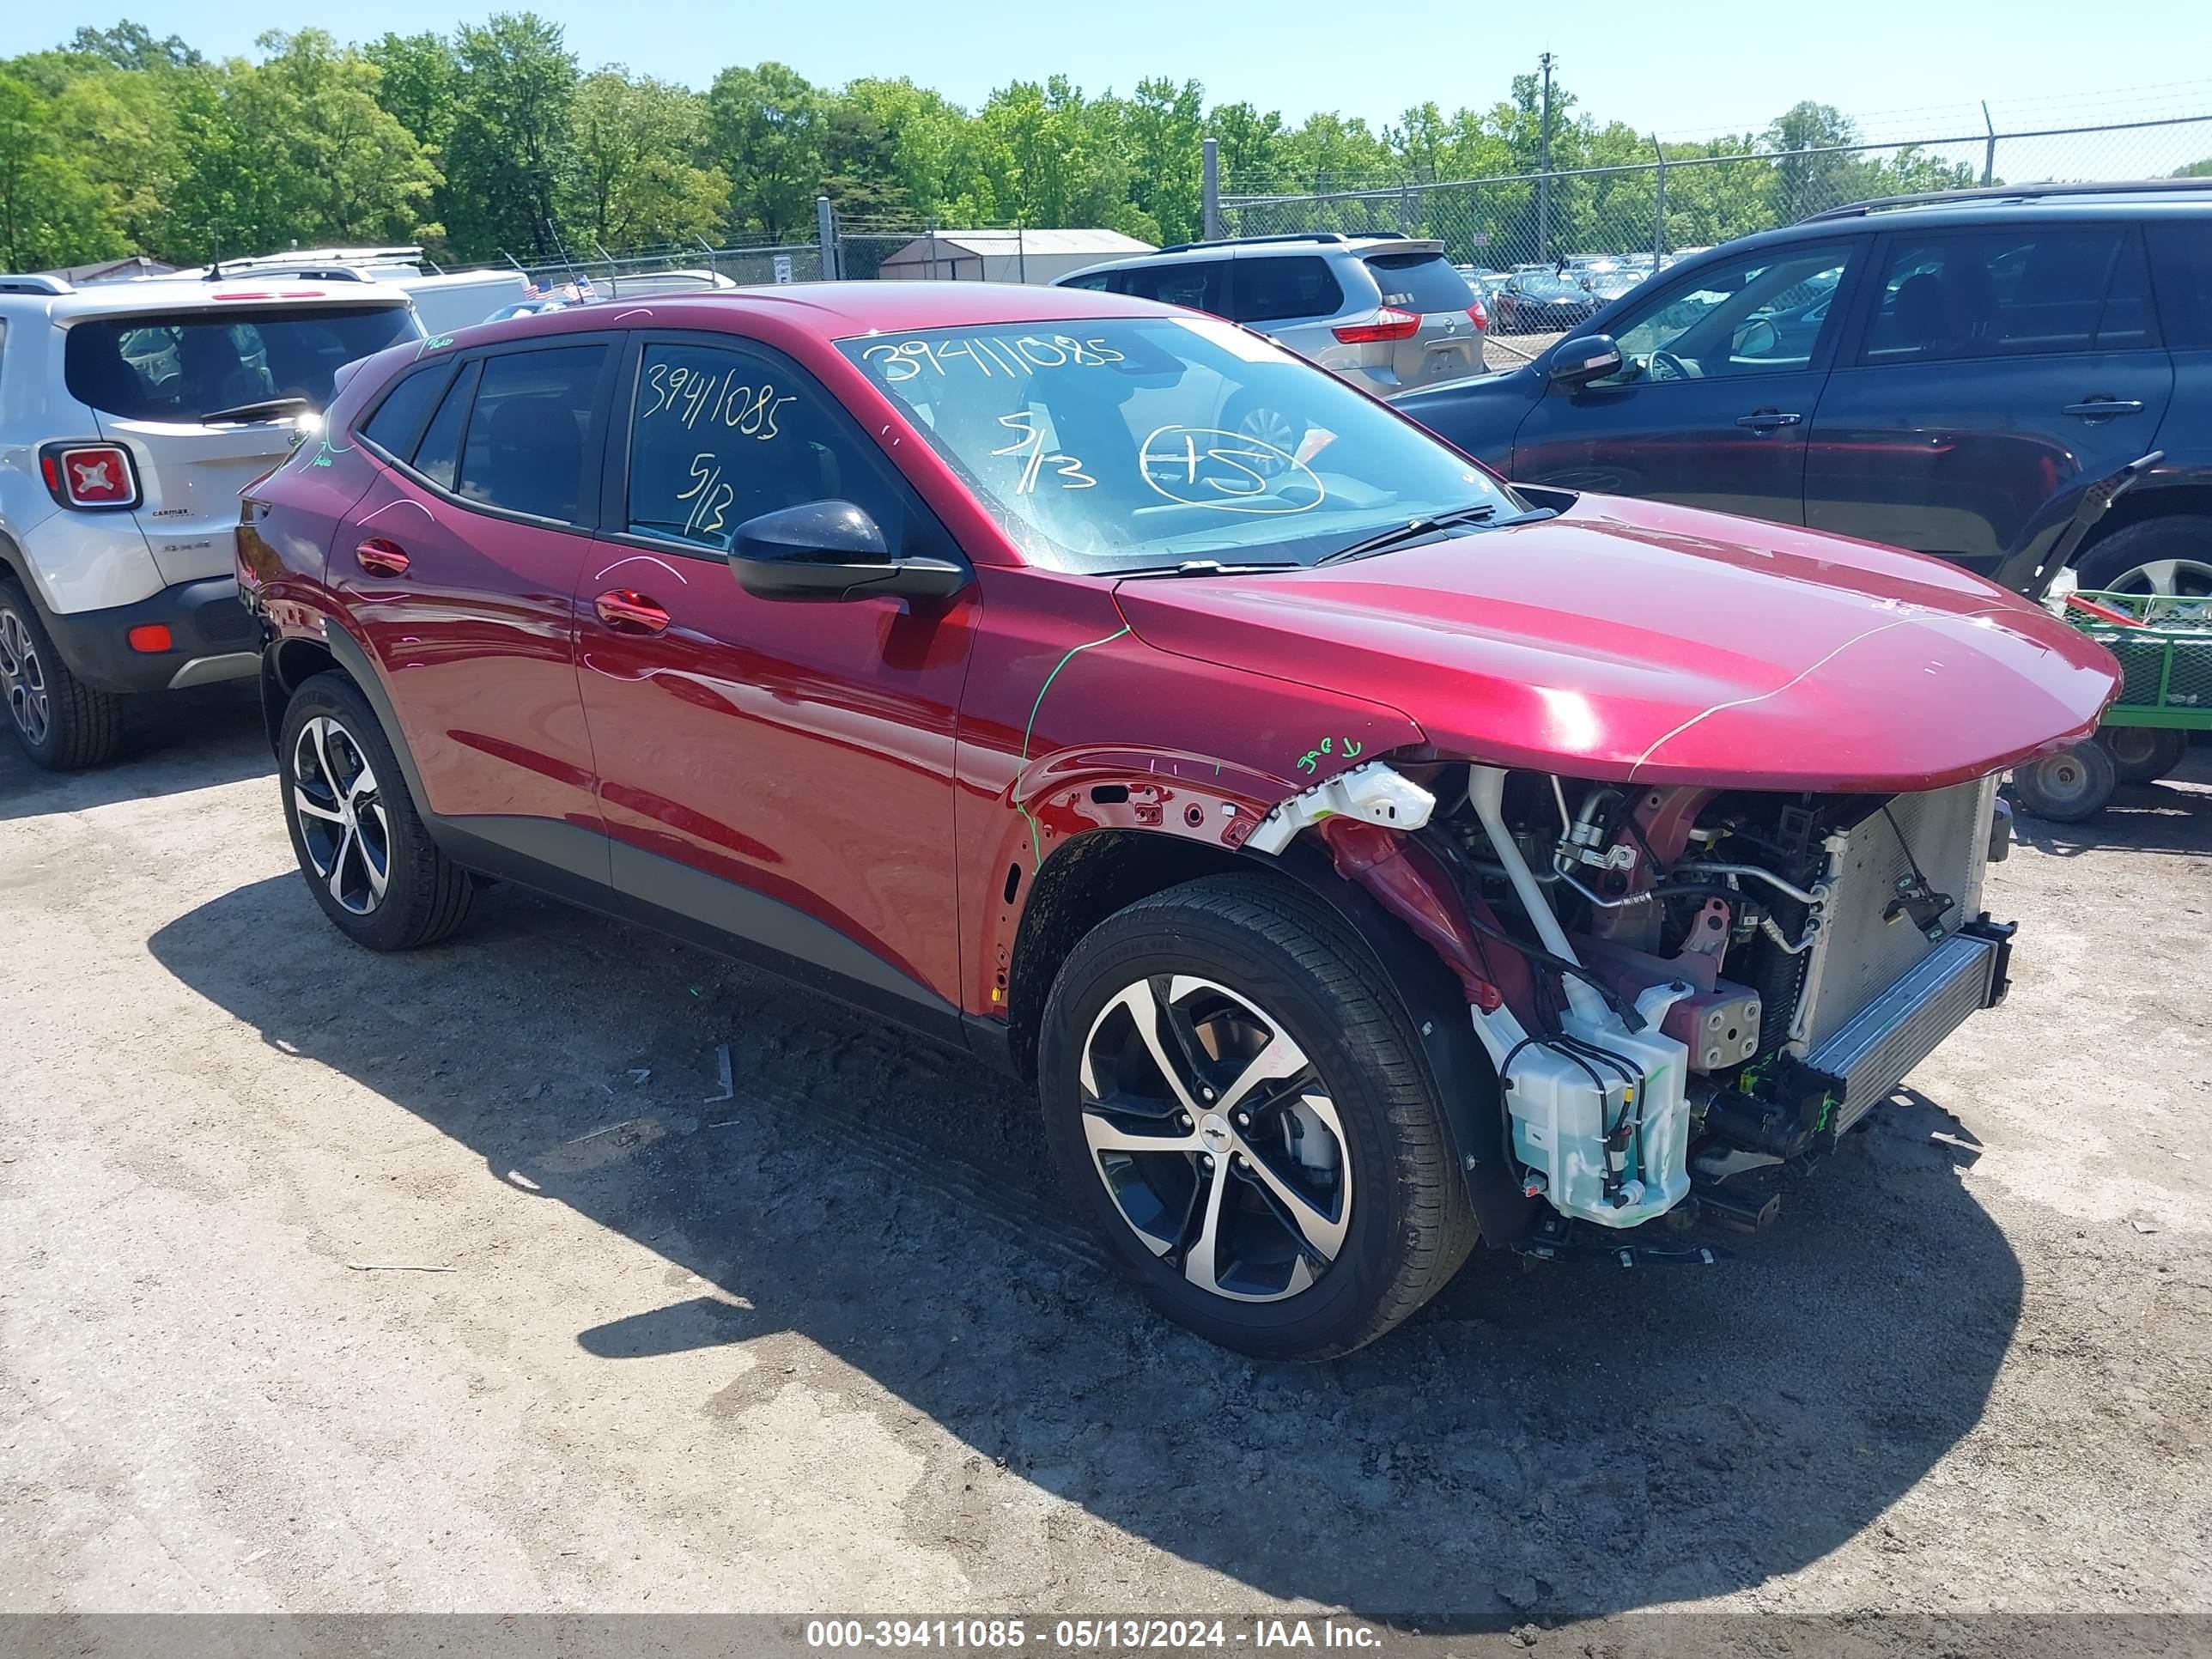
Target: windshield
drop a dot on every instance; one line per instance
(1105, 446)
(180, 365)
(1550, 287)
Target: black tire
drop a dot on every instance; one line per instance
(62, 724)
(2068, 786)
(2117, 564)
(2144, 753)
(1408, 1228)
(426, 896)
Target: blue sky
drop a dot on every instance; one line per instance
(1685, 69)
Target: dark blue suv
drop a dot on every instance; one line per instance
(1941, 373)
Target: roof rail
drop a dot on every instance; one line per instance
(36, 282)
(1239, 242)
(2009, 193)
(305, 271)
(291, 257)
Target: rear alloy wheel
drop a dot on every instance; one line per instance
(1233, 1095)
(2144, 753)
(62, 723)
(2068, 786)
(2170, 555)
(343, 826)
(361, 843)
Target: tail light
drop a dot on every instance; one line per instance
(1387, 324)
(1481, 316)
(93, 478)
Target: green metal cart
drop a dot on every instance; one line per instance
(2164, 644)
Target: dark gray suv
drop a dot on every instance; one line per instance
(1387, 313)
(1946, 373)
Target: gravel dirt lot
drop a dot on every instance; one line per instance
(830, 1346)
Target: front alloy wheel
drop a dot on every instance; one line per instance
(343, 825)
(1215, 1138)
(1235, 1097)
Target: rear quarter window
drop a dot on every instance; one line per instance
(2181, 266)
(177, 366)
(398, 419)
(1419, 282)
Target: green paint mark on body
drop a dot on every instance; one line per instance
(1036, 842)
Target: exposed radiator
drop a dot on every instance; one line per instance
(1861, 953)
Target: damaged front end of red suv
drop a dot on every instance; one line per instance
(1697, 833)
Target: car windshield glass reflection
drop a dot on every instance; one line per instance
(1111, 446)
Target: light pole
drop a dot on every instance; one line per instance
(1544, 169)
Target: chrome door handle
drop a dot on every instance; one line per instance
(381, 558)
(1767, 420)
(2099, 408)
(629, 612)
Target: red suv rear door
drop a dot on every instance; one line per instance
(459, 568)
(775, 770)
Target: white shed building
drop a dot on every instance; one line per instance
(1007, 256)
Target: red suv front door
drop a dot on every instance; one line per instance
(778, 771)
(460, 566)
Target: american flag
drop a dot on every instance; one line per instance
(578, 288)
(533, 288)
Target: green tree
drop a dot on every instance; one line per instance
(1252, 146)
(1161, 129)
(51, 211)
(1050, 159)
(419, 75)
(2194, 170)
(765, 125)
(860, 171)
(132, 46)
(512, 104)
(932, 143)
(358, 175)
(633, 176)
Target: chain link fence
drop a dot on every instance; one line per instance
(647, 270)
(1647, 213)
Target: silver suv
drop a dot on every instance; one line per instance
(1388, 313)
(131, 414)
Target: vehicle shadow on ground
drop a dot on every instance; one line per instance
(1544, 1441)
(186, 741)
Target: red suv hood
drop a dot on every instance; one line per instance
(1634, 641)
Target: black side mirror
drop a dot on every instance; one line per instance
(1592, 358)
(833, 550)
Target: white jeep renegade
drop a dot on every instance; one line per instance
(131, 414)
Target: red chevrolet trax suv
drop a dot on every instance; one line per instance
(1364, 857)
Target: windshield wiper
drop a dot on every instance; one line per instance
(261, 408)
(1208, 568)
(1411, 530)
(1414, 529)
